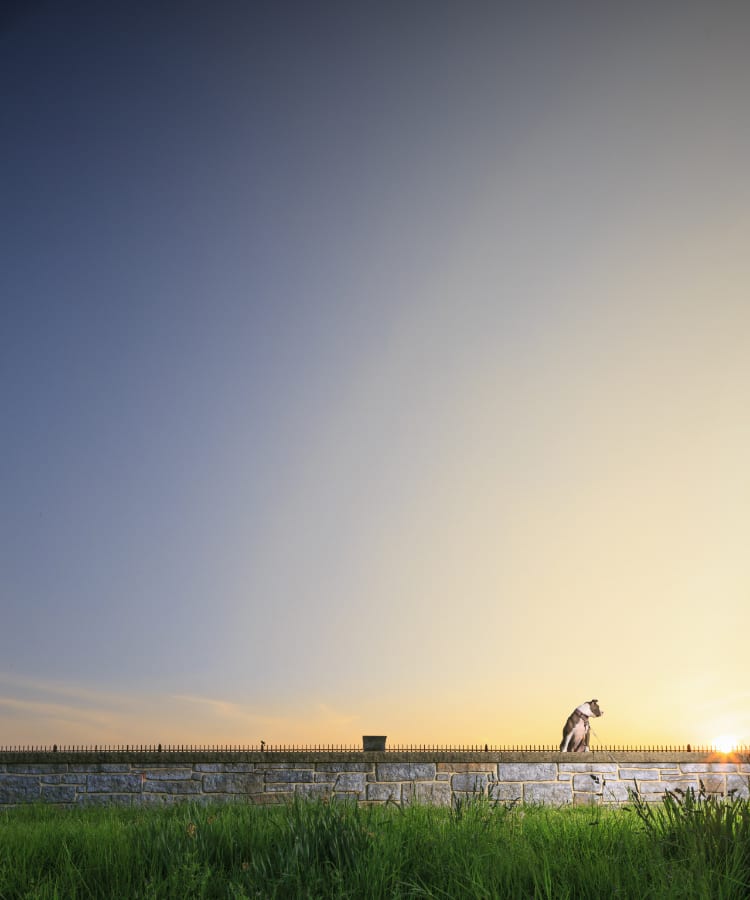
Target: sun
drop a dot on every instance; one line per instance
(725, 743)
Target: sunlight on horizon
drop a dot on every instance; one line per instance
(725, 743)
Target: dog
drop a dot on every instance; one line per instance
(575, 736)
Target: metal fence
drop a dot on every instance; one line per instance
(262, 747)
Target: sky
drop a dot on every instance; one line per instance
(374, 368)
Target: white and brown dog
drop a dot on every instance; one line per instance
(576, 730)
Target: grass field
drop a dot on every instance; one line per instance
(686, 847)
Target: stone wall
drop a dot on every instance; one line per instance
(440, 778)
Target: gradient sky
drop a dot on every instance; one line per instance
(374, 368)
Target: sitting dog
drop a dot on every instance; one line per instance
(575, 737)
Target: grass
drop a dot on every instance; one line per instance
(686, 847)
(703, 827)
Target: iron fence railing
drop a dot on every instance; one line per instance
(262, 747)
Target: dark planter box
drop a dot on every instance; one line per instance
(373, 741)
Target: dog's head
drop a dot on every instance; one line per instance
(591, 708)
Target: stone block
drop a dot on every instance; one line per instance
(473, 782)
(349, 781)
(436, 793)
(345, 767)
(615, 792)
(406, 771)
(113, 784)
(630, 784)
(19, 788)
(168, 774)
(67, 778)
(551, 794)
(313, 791)
(738, 784)
(96, 768)
(324, 777)
(714, 784)
(384, 791)
(683, 784)
(526, 771)
(695, 767)
(210, 767)
(478, 766)
(597, 767)
(58, 793)
(183, 786)
(652, 790)
(228, 783)
(326, 786)
(588, 784)
(627, 774)
(40, 769)
(289, 776)
(505, 792)
(723, 767)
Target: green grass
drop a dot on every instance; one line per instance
(687, 847)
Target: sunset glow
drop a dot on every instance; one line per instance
(725, 743)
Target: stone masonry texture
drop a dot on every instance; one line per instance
(441, 778)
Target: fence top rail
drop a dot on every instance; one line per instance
(262, 747)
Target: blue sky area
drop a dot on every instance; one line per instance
(374, 368)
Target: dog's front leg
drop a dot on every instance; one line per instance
(569, 734)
